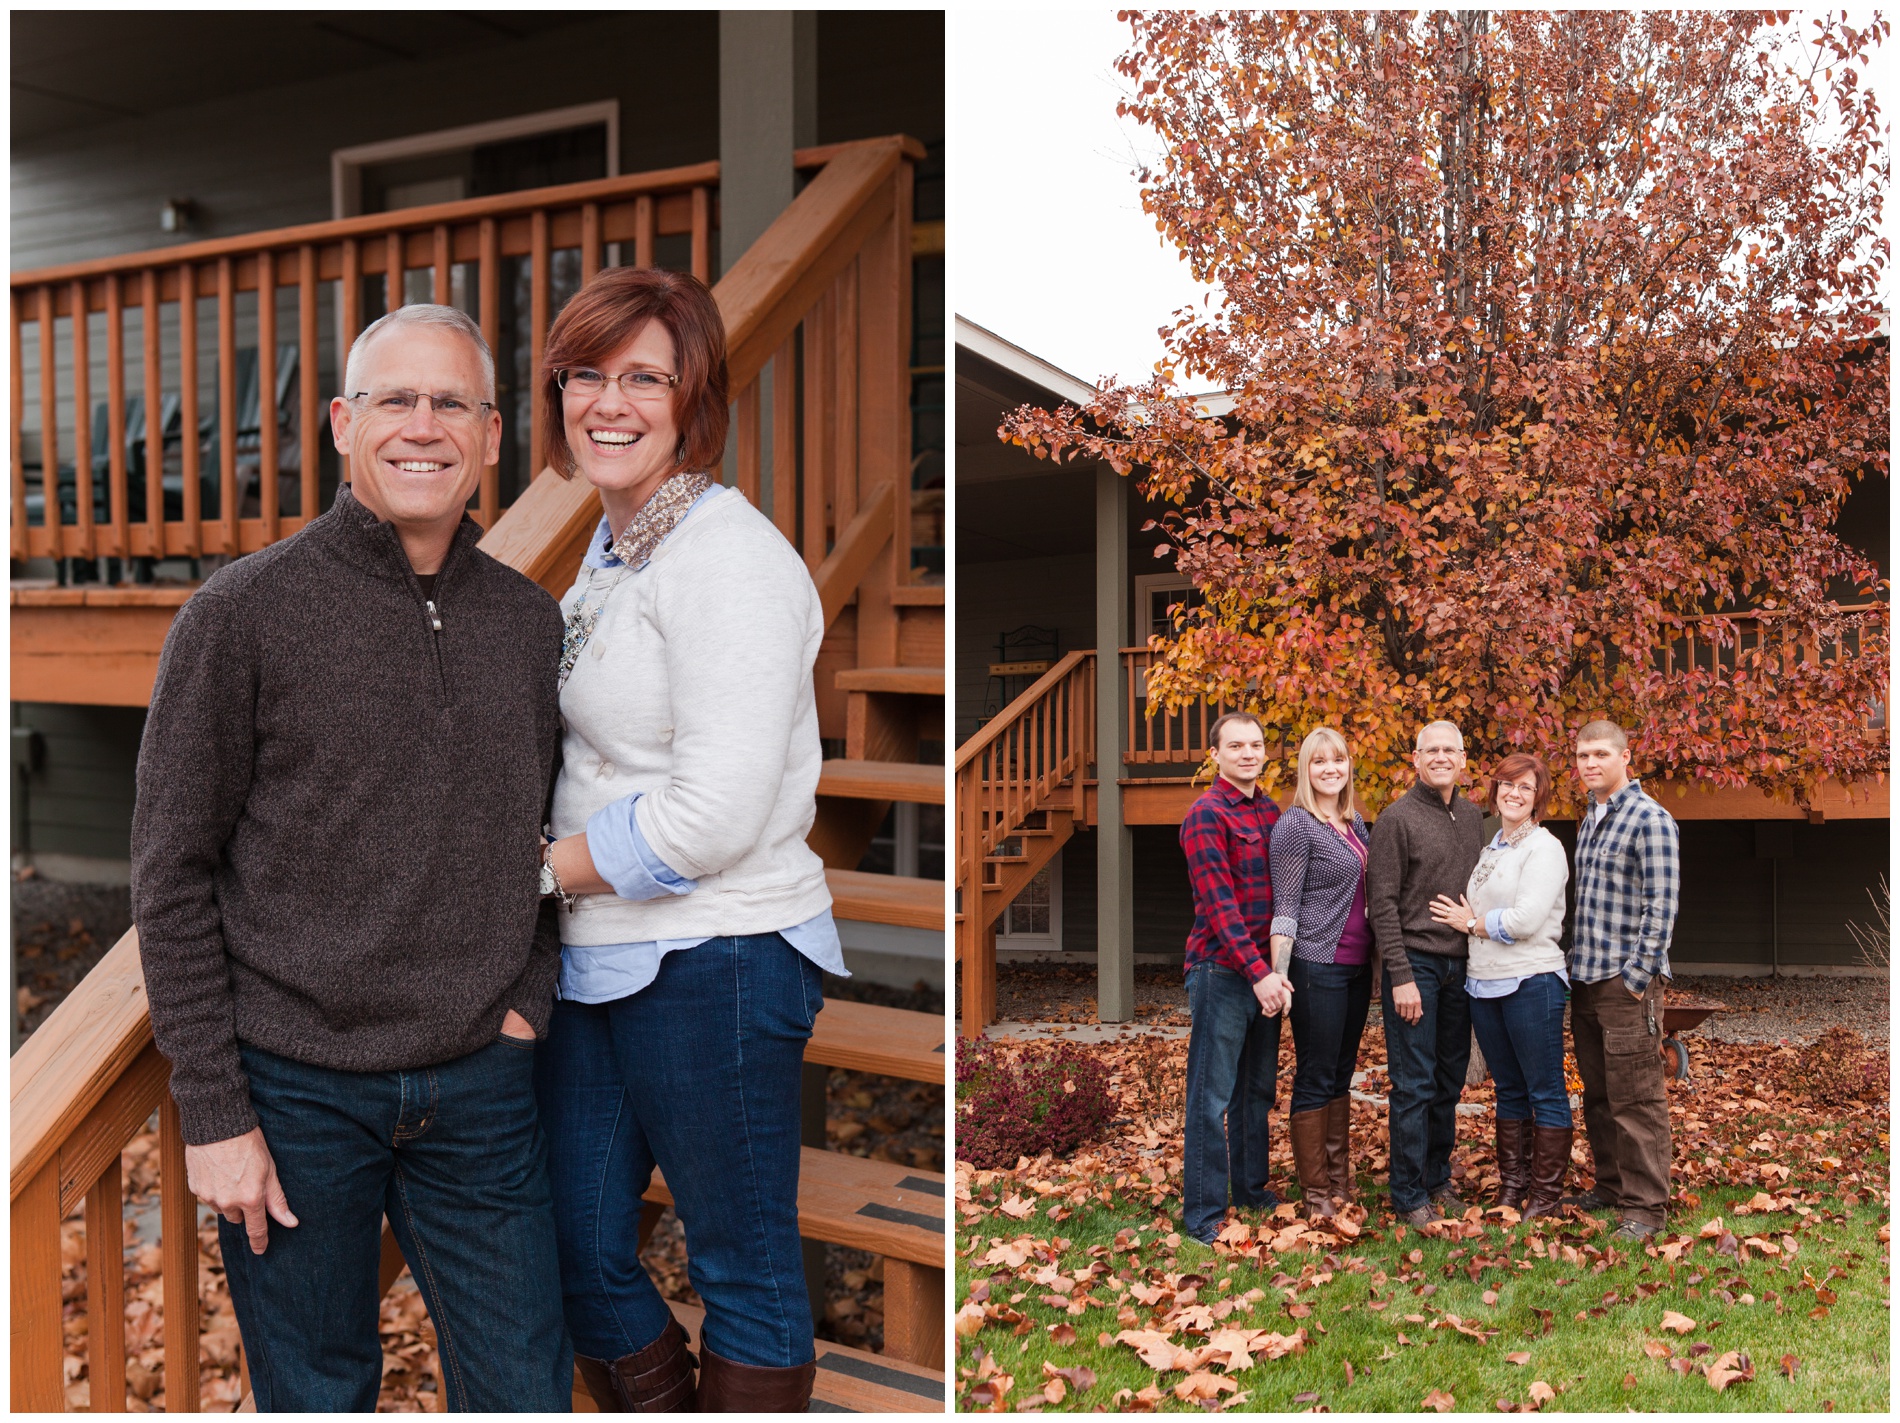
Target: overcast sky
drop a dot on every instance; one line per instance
(1051, 249)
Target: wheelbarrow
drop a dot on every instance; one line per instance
(1680, 1015)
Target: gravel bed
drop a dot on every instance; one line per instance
(1757, 1010)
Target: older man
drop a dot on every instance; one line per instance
(335, 860)
(1426, 843)
(1628, 883)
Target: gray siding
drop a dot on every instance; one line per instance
(993, 598)
(79, 802)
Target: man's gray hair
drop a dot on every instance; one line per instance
(1450, 726)
(422, 314)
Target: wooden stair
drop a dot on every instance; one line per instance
(882, 780)
(886, 899)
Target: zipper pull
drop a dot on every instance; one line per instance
(435, 618)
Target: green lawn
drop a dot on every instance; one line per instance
(1382, 1315)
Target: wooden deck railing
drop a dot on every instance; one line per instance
(828, 283)
(144, 462)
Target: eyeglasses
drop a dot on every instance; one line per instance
(1441, 753)
(1523, 788)
(636, 385)
(449, 408)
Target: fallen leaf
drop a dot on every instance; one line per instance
(1439, 1401)
(1657, 1349)
(1681, 1323)
(1062, 1333)
(1519, 1359)
(1629, 1380)
(1541, 1392)
(1789, 1364)
(1732, 1367)
(1202, 1384)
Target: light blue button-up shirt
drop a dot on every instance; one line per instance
(600, 973)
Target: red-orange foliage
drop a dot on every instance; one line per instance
(1549, 336)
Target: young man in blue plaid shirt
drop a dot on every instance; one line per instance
(1628, 884)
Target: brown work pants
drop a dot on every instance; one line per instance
(1625, 1110)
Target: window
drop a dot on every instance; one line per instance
(1034, 917)
(1155, 593)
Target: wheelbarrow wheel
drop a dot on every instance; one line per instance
(1675, 1060)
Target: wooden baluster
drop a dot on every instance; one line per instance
(351, 295)
(116, 501)
(819, 416)
(267, 394)
(105, 1290)
(157, 544)
(884, 419)
(188, 398)
(86, 546)
(227, 405)
(49, 422)
(393, 296)
(1134, 752)
(747, 449)
(538, 320)
(488, 288)
(178, 1263)
(784, 472)
(643, 230)
(844, 398)
(702, 236)
(590, 241)
(38, 1355)
(307, 393)
(811, 542)
(441, 268)
(16, 544)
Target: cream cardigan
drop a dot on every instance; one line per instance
(1527, 882)
(696, 689)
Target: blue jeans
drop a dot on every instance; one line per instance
(1233, 1057)
(1522, 1035)
(1426, 1061)
(1330, 1002)
(698, 1074)
(453, 1155)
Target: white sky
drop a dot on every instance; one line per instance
(1051, 249)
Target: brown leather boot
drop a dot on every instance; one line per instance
(1514, 1163)
(726, 1387)
(656, 1379)
(1339, 1150)
(1550, 1161)
(1308, 1130)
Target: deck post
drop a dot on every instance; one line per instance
(1114, 842)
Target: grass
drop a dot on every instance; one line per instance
(1828, 1307)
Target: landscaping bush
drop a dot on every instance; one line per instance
(1011, 1105)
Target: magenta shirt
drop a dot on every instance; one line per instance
(1355, 940)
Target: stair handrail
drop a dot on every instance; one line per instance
(75, 1076)
(996, 725)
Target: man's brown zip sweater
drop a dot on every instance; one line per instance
(336, 841)
(1421, 848)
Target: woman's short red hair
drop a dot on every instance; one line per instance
(609, 312)
(1515, 765)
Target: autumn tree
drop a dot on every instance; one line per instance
(1552, 342)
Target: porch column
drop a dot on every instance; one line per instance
(1114, 844)
(768, 106)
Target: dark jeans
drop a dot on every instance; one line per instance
(1522, 1035)
(453, 1155)
(1330, 1002)
(1426, 1061)
(1625, 1109)
(1233, 1057)
(697, 1074)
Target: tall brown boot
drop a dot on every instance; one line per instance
(1339, 1149)
(1550, 1160)
(1308, 1130)
(656, 1379)
(1514, 1163)
(726, 1387)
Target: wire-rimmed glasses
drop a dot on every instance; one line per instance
(584, 383)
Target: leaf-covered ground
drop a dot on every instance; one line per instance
(1768, 1290)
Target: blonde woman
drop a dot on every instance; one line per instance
(1321, 941)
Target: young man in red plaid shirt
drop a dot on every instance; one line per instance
(1234, 997)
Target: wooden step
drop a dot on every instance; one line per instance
(918, 681)
(886, 899)
(848, 1380)
(882, 780)
(892, 1042)
(890, 1210)
(918, 595)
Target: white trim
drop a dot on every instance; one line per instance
(1763, 970)
(347, 164)
(1051, 941)
(980, 341)
(1145, 585)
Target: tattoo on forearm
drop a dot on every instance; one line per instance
(1282, 949)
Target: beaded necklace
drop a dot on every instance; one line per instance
(657, 518)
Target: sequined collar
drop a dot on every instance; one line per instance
(657, 518)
